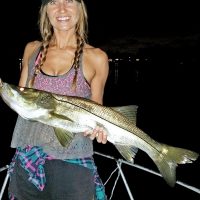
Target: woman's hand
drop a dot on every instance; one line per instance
(99, 133)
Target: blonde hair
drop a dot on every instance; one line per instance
(46, 31)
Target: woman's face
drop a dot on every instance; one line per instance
(63, 14)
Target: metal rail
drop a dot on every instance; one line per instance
(119, 162)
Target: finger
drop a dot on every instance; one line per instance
(99, 137)
(88, 132)
(94, 134)
(104, 137)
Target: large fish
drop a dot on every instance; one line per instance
(72, 115)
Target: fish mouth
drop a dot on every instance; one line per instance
(5, 91)
(1, 86)
(1, 83)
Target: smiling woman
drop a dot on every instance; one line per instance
(62, 63)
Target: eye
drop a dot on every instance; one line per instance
(52, 2)
(69, 1)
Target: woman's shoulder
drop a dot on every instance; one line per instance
(94, 52)
(96, 58)
(32, 46)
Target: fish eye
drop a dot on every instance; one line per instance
(21, 89)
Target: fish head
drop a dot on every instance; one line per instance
(27, 102)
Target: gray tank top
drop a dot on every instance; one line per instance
(38, 134)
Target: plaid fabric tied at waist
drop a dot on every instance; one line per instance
(32, 160)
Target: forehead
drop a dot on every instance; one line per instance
(44, 2)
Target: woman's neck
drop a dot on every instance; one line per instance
(62, 41)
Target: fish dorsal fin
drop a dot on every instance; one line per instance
(129, 111)
(64, 137)
(128, 152)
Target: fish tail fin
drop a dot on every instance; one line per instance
(168, 159)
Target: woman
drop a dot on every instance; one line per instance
(62, 63)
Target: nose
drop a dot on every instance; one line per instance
(62, 6)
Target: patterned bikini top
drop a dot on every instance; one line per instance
(62, 84)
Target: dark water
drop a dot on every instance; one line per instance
(166, 91)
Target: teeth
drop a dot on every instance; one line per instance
(63, 18)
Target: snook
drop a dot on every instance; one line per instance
(71, 115)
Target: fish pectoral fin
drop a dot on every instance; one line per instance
(59, 116)
(128, 152)
(129, 111)
(64, 137)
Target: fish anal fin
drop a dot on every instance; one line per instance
(129, 111)
(128, 152)
(64, 137)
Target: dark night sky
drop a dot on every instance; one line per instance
(118, 18)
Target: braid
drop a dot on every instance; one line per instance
(78, 52)
(44, 49)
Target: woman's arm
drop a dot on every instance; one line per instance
(28, 51)
(97, 84)
(99, 80)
